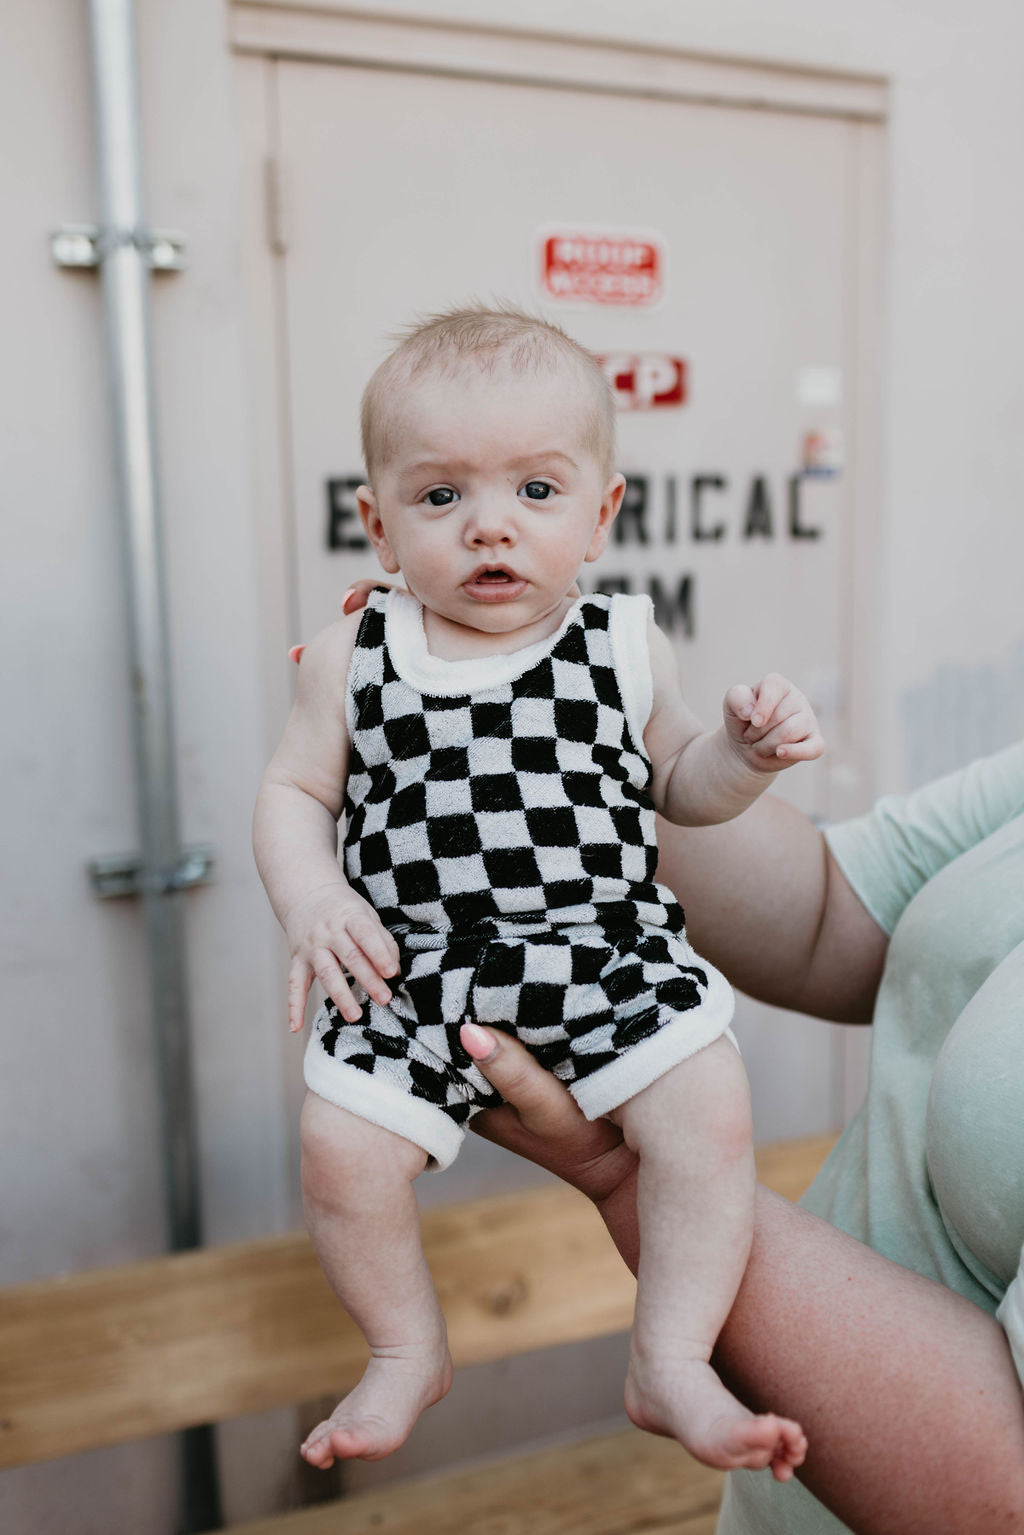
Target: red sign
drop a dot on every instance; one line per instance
(646, 380)
(594, 267)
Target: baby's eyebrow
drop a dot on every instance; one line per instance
(545, 456)
(429, 463)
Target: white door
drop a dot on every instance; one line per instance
(406, 192)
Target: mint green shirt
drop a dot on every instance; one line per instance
(930, 1171)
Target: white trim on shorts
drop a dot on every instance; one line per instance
(645, 1062)
(382, 1103)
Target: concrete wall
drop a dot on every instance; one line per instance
(81, 1179)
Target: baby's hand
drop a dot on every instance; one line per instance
(330, 928)
(772, 725)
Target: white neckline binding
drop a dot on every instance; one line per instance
(412, 660)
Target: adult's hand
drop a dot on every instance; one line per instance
(540, 1121)
(357, 595)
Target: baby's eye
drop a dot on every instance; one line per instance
(537, 490)
(442, 496)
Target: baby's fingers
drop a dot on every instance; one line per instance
(367, 951)
(739, 703)
(768, 695)
(795, 739)
(300, 979)
(376, 944)
(332, 978)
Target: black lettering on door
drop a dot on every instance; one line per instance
(698, 485)
(344, 524)
(758, 523)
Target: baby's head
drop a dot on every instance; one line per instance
(498, 344)
(489, 439)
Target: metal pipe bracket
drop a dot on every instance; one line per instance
(121, 874)
(86, 245)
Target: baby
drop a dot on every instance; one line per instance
(499, 748)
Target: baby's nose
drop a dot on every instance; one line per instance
(489, 527)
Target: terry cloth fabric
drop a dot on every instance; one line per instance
(498, 819)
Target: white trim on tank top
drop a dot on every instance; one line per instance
(412, 660)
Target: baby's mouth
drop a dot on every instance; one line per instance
(494, 582)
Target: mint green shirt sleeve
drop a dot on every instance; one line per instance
(889, 854)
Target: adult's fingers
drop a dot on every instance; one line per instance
(544, 1106)
(539, 1120)
(355, 597)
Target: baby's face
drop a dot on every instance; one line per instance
(492, 496)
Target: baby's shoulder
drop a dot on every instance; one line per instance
(324, 662)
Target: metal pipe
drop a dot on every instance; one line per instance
(123, 242)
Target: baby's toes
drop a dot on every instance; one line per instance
(316, 1449)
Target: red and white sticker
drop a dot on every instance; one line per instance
(602, 266)
(646, 380)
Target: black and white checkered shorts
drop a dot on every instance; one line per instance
(606, 1013)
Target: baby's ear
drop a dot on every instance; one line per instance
(370, 513)
(611, 500)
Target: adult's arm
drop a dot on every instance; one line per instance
(767, 903)
(772, 906)
(907, 1392)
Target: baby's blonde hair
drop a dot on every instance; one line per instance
(490, 338)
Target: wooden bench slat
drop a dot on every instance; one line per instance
(114, 1354)
(616, 1485)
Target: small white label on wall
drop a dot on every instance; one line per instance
(820, 386)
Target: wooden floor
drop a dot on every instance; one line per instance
(620, 1484)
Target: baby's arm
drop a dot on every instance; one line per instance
(702, 777)
(295, 839)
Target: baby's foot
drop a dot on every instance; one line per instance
(685, 1400)
(377, 1417)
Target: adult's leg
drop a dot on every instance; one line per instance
(361, 1212)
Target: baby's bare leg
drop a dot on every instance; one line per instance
(361, 1213)
(695, 1204)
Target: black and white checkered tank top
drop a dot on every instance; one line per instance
(508, 794)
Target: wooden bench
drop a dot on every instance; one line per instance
(102, 1357)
